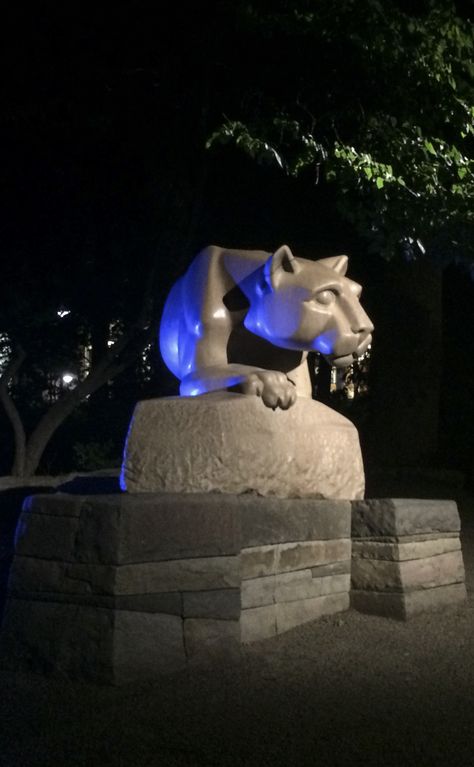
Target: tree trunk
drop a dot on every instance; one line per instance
(11, 410)
(28, 452)
(45, 429)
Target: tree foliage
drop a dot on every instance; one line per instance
(377, 98)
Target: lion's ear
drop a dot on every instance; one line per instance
(336, 263)
(280, 262)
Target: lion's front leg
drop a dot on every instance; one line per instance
(274, 388)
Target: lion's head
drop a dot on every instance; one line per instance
(310, 306)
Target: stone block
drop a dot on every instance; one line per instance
(99, 534)
(122, 529)
(206, 639)
(37, 537)
(402, 550)
(168, 603)
(258, 623)
(169, 526)
(301, 584)
(292, 614)
(258, 561)
(146, 646)
(91, 643)
(195, 444)
(396, 517)
(223, 604)
(256, 592)
(292, 586)
(57, 504)
(384, 575)
(29, 574)
(403, 605)
(333, 568)
(40, 575)
(74, 640)
(123, 588)
(200, 574)
(281, 520)
(303, 554)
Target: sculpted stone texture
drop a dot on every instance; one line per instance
(230, 443)
(247, 319)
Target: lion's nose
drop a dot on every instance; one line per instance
(361, 322)
(363, 328)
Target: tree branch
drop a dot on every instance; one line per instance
(119, 357)
(11, 409)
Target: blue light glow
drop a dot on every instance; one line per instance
(195, 387)
(325, 342)
(20, 529)
(122, 479)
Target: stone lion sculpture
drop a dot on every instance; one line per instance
(245, 320)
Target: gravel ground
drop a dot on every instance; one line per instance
(345, 690)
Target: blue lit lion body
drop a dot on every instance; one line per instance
(246, 320)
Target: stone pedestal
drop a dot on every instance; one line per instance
(406, 556)
(123, 588)
(232, 443)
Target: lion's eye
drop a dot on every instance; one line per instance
(326, 297)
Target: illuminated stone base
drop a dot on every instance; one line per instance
(232, 443)
(125, 588)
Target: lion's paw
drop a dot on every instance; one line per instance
(274, 387)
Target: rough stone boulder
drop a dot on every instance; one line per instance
(232, 443)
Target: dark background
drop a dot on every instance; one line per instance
(106, 184)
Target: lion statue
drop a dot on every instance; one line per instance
(245, 320)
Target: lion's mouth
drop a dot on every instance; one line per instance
(344, 360)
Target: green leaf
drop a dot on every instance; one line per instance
(379, 181)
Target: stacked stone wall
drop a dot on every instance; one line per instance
(406, 556)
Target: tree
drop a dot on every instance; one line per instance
(100, 187)
(377, 101)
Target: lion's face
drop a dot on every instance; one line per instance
(311, 306)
